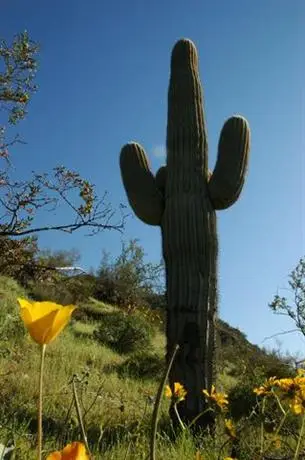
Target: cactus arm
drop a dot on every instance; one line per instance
(140, 184)
(228, 177)
(161, 177)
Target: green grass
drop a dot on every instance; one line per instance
(116, 410)
(117, 402)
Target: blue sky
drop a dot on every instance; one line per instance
(103, 79)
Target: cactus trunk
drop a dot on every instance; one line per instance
(182, 200)
(191, 296)
(190, 245)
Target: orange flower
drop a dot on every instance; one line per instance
(221, 399)
(44, 320)
(230, 428)
(179, 393)
(74, 451)
(266, 388)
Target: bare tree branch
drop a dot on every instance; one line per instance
(21, 200)
(280, 333)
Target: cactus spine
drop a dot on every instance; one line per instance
(182, 199)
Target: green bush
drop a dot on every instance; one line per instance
(81, 287)
(242, 400)
(142, 365)
(124, 333)
(11, 325)
(279, 370)
(128, 281)
(54, 291)
(88, 313)
(63, 289)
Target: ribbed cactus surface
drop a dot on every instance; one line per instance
(182, 199)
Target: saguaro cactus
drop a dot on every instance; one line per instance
(182, 199)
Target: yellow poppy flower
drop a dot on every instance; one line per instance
(44, 320)
(74, 451)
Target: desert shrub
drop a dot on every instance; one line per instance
(81, 287)
(280, 370)
(155, 317)
(17, 258)
(242, 400)
(106, 289)
(142, 365)
(277, 363)
(128, 281)
(63, 289)
(124, 333)
(88, 313)
(156, 301)
(55, 290)
(11, 325)
(58, 258)
(57, 286)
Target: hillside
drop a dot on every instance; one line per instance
(117, 375)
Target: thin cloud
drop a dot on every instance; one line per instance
(159, 151)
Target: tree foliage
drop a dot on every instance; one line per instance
(58, 258)
(22, 260)
(295, 309)
(128, 281)
(17, 258)
(18, 69)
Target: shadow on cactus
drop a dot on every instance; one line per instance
(182, 199)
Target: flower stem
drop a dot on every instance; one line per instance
(154, 422)
(209, 409)
(43, 351)
(279, 402)
(262, 427)
(296, 454)
(278, 430)
(178, 417)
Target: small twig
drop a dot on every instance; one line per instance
(67, 418)
(221, 448)
(157, 405)
(80, 420)
(280, 333)
(94, 400)
(301, 436)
